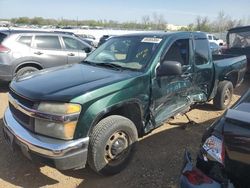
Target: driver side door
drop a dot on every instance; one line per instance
(170, 93)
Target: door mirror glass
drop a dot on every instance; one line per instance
(169, 68)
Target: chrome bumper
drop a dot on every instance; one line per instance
(47, 147)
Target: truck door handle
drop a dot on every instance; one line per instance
(38, 53)
(71, 54)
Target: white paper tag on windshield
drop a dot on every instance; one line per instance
(151, 40)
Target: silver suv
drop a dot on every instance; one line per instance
(22, 52)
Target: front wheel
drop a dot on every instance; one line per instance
(224, 95)
(112, 142)
(25, 71)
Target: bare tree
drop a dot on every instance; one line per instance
(159, 21)
(202, 24)
(146, 19)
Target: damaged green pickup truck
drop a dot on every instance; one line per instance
(93, 112)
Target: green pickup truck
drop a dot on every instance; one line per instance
(94, 112)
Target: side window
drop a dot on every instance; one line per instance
(179, 51)
(201, 51)
(72, 44)
(25, 40)
(47, 42)
(81, 46)
(209, 37)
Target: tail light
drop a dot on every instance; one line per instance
(215, 148)
(196, 177)
(3, 49)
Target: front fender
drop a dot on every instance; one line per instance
(94, 113)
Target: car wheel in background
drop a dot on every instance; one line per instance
(25, 71)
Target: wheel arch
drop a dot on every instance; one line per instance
(129, 109)
(231, 77)
(28, 64)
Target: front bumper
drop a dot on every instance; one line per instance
(186, 183)
(60, 154)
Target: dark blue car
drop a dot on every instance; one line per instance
(224, 157)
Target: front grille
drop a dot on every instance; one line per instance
(26, 102)
(25, 120)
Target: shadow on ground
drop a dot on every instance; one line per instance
(4, 87)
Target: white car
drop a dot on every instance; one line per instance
(214, 39)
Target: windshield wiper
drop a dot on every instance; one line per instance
(89, 63)
(112, 65)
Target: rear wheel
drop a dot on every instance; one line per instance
(112, 143)
(224, 95)
(26, 71)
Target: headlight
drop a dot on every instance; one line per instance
(214, 147)
(57, 120)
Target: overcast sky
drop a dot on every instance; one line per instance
(178, 12)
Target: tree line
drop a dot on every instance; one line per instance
(148, 22)
(222, 23)
(157, 22)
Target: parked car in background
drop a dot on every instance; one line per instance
(22, 52)
(104, 38)
(215, 48)
(93, 112)
(212, 38)
(87, 36)
(90, 41)
(238, 42)
(224, 157)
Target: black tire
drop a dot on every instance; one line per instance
(25, 71)
(112, 144)
(224, 95)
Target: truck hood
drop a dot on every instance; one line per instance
(66, 82)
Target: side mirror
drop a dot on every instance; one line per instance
(87, 49)
(169, 68)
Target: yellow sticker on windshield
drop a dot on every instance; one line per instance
(151, 40)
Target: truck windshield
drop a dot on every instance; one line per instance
(130, 52)
(239, 39)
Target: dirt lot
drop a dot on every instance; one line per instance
(157, 161)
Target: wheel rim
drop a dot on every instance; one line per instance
(227, 97)
(117, 148)
(27, 72)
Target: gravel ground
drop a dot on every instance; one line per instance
(157, 161)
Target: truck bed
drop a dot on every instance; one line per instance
(230, 66)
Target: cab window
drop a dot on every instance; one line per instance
(201, 51)
(178, 51)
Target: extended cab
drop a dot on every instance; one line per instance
(94, 112)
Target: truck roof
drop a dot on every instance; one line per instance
(163, 34)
